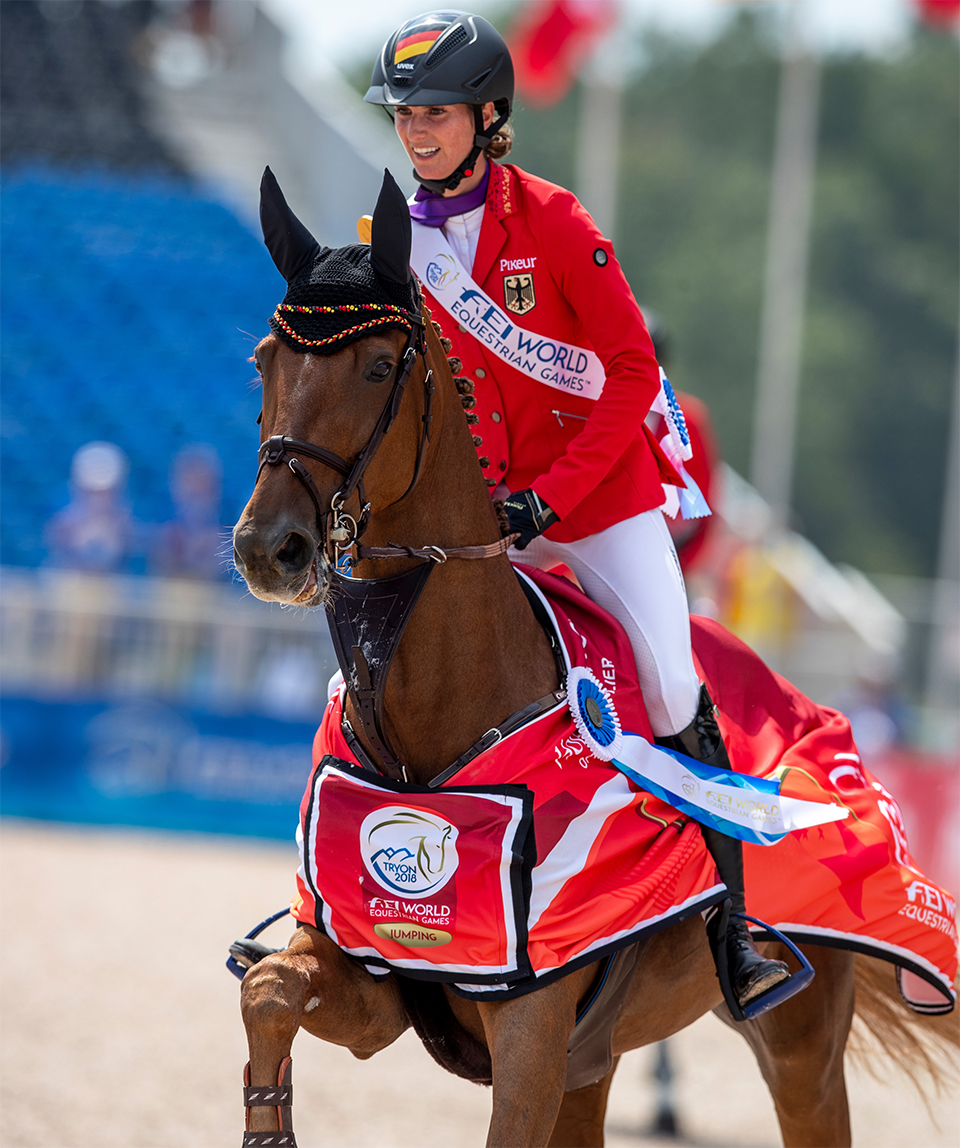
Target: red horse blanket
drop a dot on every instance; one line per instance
(537, 857)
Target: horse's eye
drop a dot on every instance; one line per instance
(382, 369)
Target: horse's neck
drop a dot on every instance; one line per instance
(472, 653)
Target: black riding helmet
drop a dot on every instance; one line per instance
(446, 57)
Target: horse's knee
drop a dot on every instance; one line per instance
(345, 1005)
(272, 996)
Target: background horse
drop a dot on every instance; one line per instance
(471, 654)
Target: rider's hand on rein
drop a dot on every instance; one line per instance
(528, 516)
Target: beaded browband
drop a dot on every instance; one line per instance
(391, 315)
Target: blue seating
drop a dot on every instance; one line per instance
(122, 309)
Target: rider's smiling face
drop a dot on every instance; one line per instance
(438, 139)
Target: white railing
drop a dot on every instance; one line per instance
(207, 645)
(837, 627)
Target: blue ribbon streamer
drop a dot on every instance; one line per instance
(692, 502)
(708, 774)
(676, 411)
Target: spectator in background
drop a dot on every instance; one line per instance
(689, 535)
(95, 531)
(189, 545)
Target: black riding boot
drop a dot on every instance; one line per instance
(750, 973)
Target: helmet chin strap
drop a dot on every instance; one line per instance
(480, 140)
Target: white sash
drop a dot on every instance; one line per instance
(551, 361)
(564, 366)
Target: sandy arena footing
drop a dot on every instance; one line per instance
(121, 1027)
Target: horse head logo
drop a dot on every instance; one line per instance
(408, 850)
(441, 272)
(690, 787)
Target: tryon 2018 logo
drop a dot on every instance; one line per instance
(442, 271)
(407, 851)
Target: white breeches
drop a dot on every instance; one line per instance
(631, 569)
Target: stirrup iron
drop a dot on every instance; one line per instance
(248, 951)
(781, 992)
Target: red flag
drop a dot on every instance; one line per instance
(939, 11)
(550, 41)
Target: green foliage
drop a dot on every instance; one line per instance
(881, 325)
(880, 350)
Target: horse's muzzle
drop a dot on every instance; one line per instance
(280, 563)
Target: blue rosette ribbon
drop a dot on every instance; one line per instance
(749, 808)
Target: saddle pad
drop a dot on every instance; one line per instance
(614, 864)
(851, 884)
(433, 883)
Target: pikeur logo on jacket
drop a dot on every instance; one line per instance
(537, 254)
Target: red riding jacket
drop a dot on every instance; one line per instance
(594, 462)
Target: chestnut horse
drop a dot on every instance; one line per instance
(471, 654)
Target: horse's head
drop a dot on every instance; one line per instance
(344, 341)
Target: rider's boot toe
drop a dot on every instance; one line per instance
(247, 952)
(761, 979)
(751, 974)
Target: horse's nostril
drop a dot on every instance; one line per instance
(238, 561)
(295, 553)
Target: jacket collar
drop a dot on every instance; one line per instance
(501, 203)
(501, 191)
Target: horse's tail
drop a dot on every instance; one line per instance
(924, 1047)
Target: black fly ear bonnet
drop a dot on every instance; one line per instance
(337, 295)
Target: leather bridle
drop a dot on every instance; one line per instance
(339, 531)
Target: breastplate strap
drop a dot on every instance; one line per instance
(367, 618)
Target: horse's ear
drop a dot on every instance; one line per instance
(290, 244)
(390, 234)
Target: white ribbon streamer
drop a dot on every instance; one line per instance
(751, 809)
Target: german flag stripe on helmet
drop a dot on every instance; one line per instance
(415, 45)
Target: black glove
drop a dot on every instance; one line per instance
(528, 516)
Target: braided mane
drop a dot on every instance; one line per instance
(465, 388)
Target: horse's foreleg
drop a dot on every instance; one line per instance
(313, 985)
(799, 1046)
(582, 1112)
(527, 1039)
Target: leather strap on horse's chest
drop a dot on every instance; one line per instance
(367, 618)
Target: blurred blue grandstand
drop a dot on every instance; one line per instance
(130, 304)
(131, 300)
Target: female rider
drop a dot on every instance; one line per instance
(582, 478)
